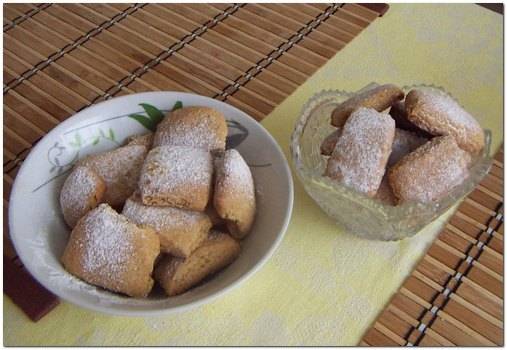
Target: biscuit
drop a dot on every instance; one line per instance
(399, 114)
(439, 114)
(108, 251)
(177, 275)
(198, 127)
(234, 195)
(327, 145)
(140, 139)
(361, 153)
(378, 98)
(180, 231)
(430, 172)
(177, 176)
(404, 143)
(81, 192)
(120, 169)
(216, 220)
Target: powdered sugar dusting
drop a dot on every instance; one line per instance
(76, 192)
(106, 243)
(196, 127)
(238, 178)
(444, 104)
(431, 171)
(120, 169)
(169, 168)
(361, 153)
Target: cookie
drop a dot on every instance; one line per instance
(81, 192)
(198, 127)
(439, 114)
(120, 169)
(177, 176)
(378, 98)
(180, 231)
(177, 275)
(327, 145)
(140, 139)
(361, 153)
(234, 194)
(430, 172)
(108, 251)
(399, 114)
(216, 220)
(404, 143)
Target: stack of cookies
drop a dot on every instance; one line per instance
(172, 205)
(399, 149)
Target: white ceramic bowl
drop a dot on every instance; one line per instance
(40, 235)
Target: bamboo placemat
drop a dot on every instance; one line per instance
(455, 294)
(61, 58)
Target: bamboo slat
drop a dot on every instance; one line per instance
(455, 294)
(61, 58)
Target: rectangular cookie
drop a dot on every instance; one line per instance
(360, 156)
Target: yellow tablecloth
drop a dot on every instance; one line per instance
(322, 286)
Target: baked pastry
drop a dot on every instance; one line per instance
(399, 114)
(198, 127)
(385, 193)
(439, 114)
(216, 220)
(108, 251)
(81, 192)
(234, 196)
(177, 275)
(141, 139)
(120, 169)
(360, 155)
(404, 143)
(180, 231)
(378, 98)
(177, 176)
(430, 172)
(327, 145)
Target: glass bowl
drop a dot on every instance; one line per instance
(352, 210)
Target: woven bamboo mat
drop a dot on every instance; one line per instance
(61, 58)
(455, 294)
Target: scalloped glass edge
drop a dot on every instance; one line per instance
(406, 219)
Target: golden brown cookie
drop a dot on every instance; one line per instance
(404, 143)
(430, 172)
(439, 114)
(180, 231)
(81, 192)
(140, 139)
(177, 275)
(234, 196)
(360, 155)
(120, 169)
(198, 127)
(177, 176)
(108, 251)
(378, 98)
(327, 145)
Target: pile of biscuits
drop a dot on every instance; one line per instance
(399, 149)
(170, 205)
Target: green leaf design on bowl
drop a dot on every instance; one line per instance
(153, 115)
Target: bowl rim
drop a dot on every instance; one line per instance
(388, 213)
(118, 309)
